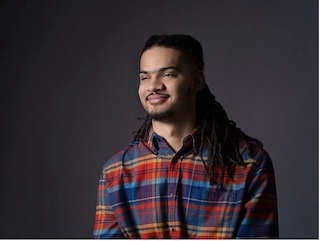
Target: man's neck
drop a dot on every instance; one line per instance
(173, 132)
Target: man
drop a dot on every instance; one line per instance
(190, 172)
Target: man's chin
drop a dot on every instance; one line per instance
(160, 116)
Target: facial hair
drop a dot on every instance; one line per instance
(160, 116)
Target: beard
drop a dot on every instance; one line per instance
(160, 116)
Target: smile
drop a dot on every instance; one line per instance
(157, 98)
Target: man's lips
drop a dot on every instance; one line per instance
(157, 98)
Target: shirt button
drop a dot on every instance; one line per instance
(171, 195)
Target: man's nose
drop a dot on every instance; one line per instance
(155, 84)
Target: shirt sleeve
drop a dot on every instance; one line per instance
(105, 225)
(261, 215)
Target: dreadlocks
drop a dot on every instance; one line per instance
(219, 135)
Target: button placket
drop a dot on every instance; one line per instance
(172, 191)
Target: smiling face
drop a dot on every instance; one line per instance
(168, 84)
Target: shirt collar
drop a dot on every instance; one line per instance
(191, 141)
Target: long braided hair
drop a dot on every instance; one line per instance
(219, 135)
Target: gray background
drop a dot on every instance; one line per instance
(68, 92)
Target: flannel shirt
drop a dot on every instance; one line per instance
(149, 191)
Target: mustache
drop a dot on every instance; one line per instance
(157, 93)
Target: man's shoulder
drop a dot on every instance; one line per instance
(254, 154)
(251, 150)
(134, 150)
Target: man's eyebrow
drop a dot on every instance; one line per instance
(158, 70)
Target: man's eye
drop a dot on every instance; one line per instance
(168, 75)
(143, 77)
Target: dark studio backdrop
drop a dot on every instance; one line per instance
(68, 92)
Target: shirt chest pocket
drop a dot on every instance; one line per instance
(213, 195)
(212, 208)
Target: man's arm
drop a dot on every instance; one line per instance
(106, 225)
(261, 216)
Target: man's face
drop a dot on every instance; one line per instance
(168, 84)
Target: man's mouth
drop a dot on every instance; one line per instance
(154, 99)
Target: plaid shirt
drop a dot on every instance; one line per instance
(149, 191)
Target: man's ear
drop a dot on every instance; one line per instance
(199, 80)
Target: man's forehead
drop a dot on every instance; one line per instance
(161, 58)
